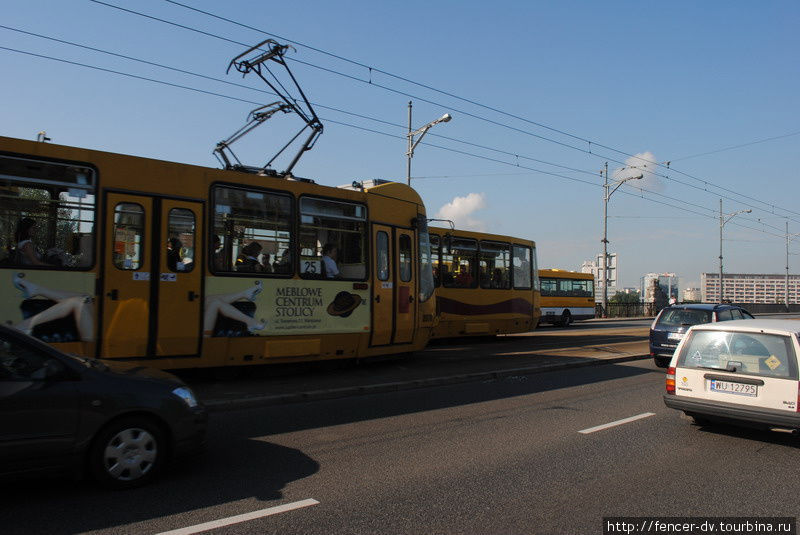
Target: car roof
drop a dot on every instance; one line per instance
(703, 306)
(755, 325)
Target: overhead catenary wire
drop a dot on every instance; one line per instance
(574, 179)
(484, 106)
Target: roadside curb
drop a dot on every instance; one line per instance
(221, 405)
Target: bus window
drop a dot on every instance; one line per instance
(404, 253)
(494, 265)
(128, 236)
(180, 245)
(325, 224)
(535, 269)
(522, 267)
(47, 214)
(459, 263)
(252, 231)
(435, 253)
(575, 288)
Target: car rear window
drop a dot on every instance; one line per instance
(768, 355)
(675, 317)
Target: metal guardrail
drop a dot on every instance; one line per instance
(633, 310)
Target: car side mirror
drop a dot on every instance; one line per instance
(51, 370)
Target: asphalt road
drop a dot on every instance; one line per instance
(504, 456)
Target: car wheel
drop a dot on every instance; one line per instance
(662, 362)
(566, 319)
(127, 453)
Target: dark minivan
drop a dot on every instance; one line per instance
(62, 413)
(673, 321)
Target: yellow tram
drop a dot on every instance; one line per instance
(177, 266)
(486, 284)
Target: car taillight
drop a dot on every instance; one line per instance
(671, 381)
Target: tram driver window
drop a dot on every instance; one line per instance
(327, 225)
(252, 232)
(47, 213)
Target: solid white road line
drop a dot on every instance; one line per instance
(241, 518)
(618, 422)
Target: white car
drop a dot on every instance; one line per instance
(743, 372)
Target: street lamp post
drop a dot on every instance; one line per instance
(724, 218)
(421, 132)
(788, 239)
(606, 196)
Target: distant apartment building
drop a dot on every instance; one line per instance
(668, 283)
(692, 294)
(750, 288)
(612, 274)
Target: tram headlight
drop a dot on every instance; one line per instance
(186, 394)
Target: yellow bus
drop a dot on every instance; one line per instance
(486, 284)
(177, 266)
(567, 296)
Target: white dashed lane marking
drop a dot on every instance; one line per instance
(616, 423)
(222, 522)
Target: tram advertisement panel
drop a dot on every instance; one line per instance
(56, 306)
(241, 307)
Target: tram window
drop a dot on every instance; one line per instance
(494, 265)
(327, 224)
(435, 252)
(522, 267)
(549, 287)
(128, 252)
(404, 256)
(180, 245)
(252, 232)
(382, 256)
(459, 263)
(47, 214)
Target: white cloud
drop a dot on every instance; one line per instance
(644, 163)
(461, 209)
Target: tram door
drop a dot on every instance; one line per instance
(405, 284)
(393, 293)
(383, 291)
(124, 321)
(152, 277)
(180, 278)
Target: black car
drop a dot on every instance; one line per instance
(672, 323)
(118, 422)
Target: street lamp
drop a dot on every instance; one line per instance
(421, 131)
(606, 196)
(724, 218)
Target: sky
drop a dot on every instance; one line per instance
(542, 95)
